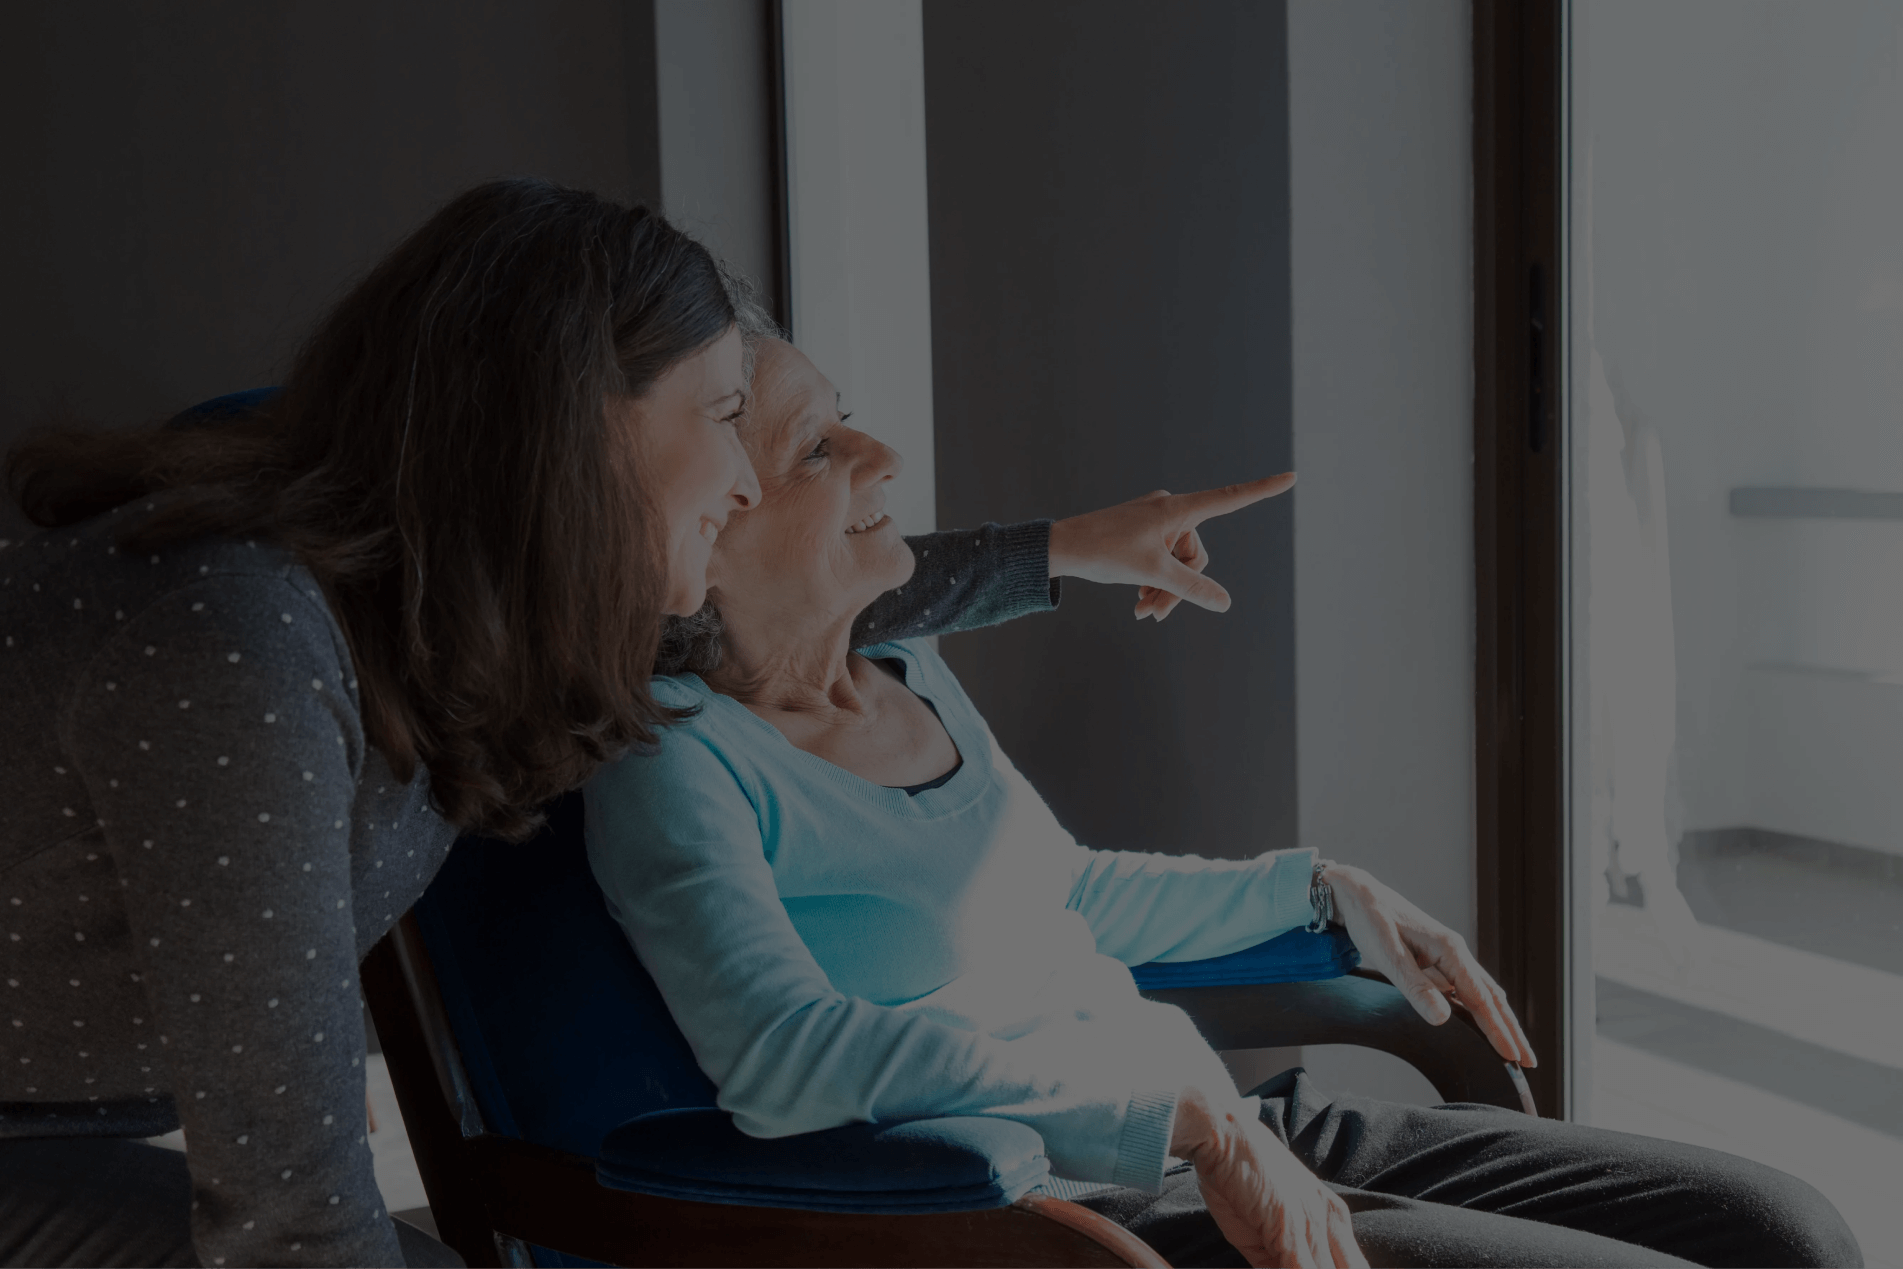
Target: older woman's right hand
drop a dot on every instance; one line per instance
(1270, 1208)
(1152, 541)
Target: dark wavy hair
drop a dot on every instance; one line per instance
(444, 460)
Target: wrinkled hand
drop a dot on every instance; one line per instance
(1152, 542)
(1425, 959)
(1270, 1208)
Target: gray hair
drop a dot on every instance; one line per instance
(749, 314)
(692, 645)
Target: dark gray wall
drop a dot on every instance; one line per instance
(1110, 314)
(187, 185)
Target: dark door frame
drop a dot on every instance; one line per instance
(1519, 574)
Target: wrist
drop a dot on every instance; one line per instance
(1062, 548)
(1321, 897)
(1199, 1124)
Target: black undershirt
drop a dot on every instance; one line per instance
(913, 790)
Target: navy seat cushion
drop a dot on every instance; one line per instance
(1294, 957)
(923, 1165)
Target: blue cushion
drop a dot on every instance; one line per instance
(231, 405)
(563, 1033)
(1294, 957)
(924, 1165)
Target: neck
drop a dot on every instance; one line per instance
(797, 662)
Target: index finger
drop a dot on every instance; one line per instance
(1220, 502)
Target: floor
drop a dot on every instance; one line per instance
(1776, 1033)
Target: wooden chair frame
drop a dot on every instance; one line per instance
(494, 1196)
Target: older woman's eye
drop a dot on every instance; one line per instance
(822, 449)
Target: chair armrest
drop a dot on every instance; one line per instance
(949, 1164)
(1294, 956)
(1360, 1008)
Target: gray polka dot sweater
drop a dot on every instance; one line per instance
(197, 848)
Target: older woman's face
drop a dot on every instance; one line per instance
(819, 543)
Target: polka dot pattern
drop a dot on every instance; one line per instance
(207, 962)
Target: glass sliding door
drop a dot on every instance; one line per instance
(1735, 540)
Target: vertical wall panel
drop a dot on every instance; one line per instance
(1110, 314)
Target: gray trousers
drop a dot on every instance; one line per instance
(108, 1201)
(1466, 1185)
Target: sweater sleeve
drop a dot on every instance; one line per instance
(1146, 907)
(220, 744)
(964, 579)
(676, 844)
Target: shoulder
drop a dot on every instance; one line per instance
(680, 691)
(693, 799)
(82, 582)
(73, 599)
(702, 756)
(231, 609)
(213, 630)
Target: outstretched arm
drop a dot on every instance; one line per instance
(967, 578)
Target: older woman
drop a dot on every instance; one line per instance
(858, 910)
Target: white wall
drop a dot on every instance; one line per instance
(1380, 151)
(1380, 101)
(861, 268)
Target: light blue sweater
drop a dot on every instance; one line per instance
(838, 952)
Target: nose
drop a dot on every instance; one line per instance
(875, 461)
(745, 491)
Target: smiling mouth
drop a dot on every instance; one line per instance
(870, 523)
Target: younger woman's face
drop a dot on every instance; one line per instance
(695, 466)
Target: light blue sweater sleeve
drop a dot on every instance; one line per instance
(1145, 907)
(676, 843)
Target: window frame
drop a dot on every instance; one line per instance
(1520, 718)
